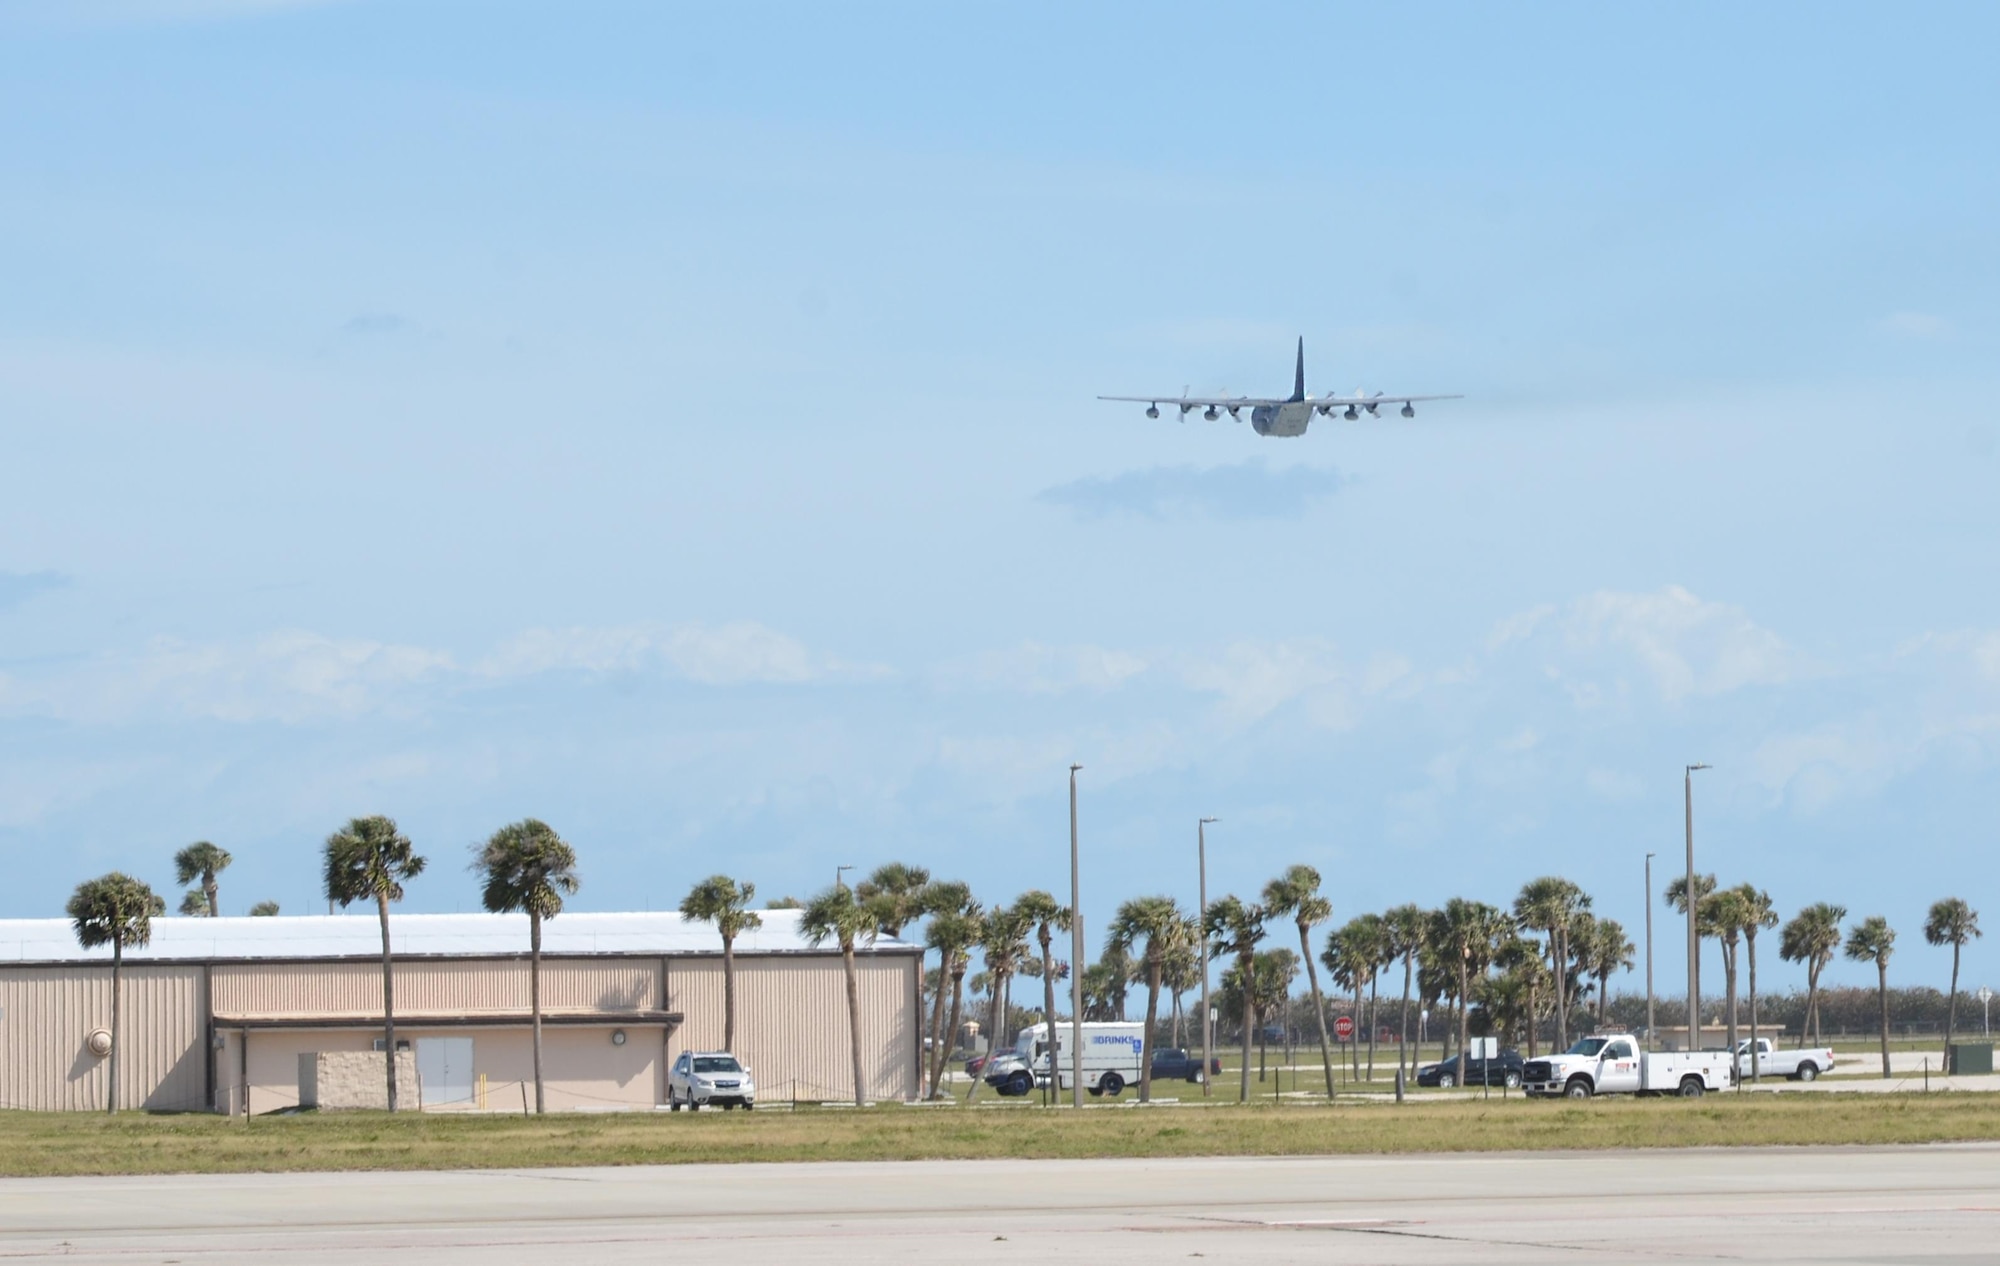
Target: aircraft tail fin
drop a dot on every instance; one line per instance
(1299, 377)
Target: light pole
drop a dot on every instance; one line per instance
(1985, 996)
(838, 871)
(1650, 1039)
(1693, 900)
(1207, 1016)
(1075, 959)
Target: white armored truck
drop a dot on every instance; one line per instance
(1613, 1064)
(1110, 1059)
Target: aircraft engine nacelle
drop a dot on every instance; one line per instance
(1261, 418)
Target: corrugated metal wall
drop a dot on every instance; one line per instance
(791, 1021)
(433, 987)
(46, 1017)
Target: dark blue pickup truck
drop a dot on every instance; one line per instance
(1173, 1064)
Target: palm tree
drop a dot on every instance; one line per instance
(1156, 921)
(1048, 916)
(897, 893)
(725, 903)
(1812, 938)
(1728, 914)
(1355, 953)
(204, 860)
(527, 867)
(1757, 915)
(1470, 933)
(1516, 994)
(194, 904)
(1346, 961)
(952, 932)
(1873, 940)
(1609, 952)
(1180, 970)
(1676, 897)
(1435, 976)
(1953, 923)
(1406, 926)
(940, 897)
(1296, 893)
(1235, 928)
(369, 859)
(1552, 904)
(837, 915)
(115, 910)
(1003, 944)
(1271, 975)
(263, 909)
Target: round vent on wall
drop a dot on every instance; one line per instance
(99, 1042)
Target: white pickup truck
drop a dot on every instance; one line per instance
(1613, 1064)
(1800, 1065)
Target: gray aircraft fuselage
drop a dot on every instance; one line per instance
(1282, 420)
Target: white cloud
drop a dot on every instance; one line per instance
(292, 677)
(1923, 325)
(103, 13)
(1686, 645)
(1254, 679)
(1611, 784)
(289, 676)
(1035, 668)
(733, 654)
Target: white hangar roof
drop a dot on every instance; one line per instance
(360, 936)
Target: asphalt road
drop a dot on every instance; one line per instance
(1932, 1205)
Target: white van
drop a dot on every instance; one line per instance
(1111, 1054)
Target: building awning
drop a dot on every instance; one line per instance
(458, 1020)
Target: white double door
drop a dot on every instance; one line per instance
(444, 1066)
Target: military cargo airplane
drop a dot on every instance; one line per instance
(1287, 417)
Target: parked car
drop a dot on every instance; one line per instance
(1800, 1065)
(700, 1079)
(1174, 1064)
(1504, 1070)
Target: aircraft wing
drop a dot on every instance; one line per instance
(1199, 402)
(1344, 401)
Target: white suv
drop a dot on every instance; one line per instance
(701, 1078)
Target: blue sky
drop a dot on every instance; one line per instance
(679, 424)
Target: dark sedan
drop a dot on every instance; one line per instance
(1502, 1071)
(1174, 1064)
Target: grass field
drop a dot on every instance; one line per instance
(135, 1143)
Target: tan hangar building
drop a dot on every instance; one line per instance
(215, 1013)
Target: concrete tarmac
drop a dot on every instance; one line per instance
(1920, 1205)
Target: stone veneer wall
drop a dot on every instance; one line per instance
(335, 1081)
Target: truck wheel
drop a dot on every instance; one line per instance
(1112, 1084)
(1095, 1092)
(1578, 1088)
(673, 1104)
(1019, 1084)
(1513, 1081)
(1691, 1087)
(1807, 1071)
(1446, 1081)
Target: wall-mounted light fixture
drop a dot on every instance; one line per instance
(618, 1037)
(99, 1042)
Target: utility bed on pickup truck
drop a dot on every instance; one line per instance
(1612, 1064)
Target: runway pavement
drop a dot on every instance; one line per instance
(1928, 1205)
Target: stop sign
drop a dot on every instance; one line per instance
(1343, 1027)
